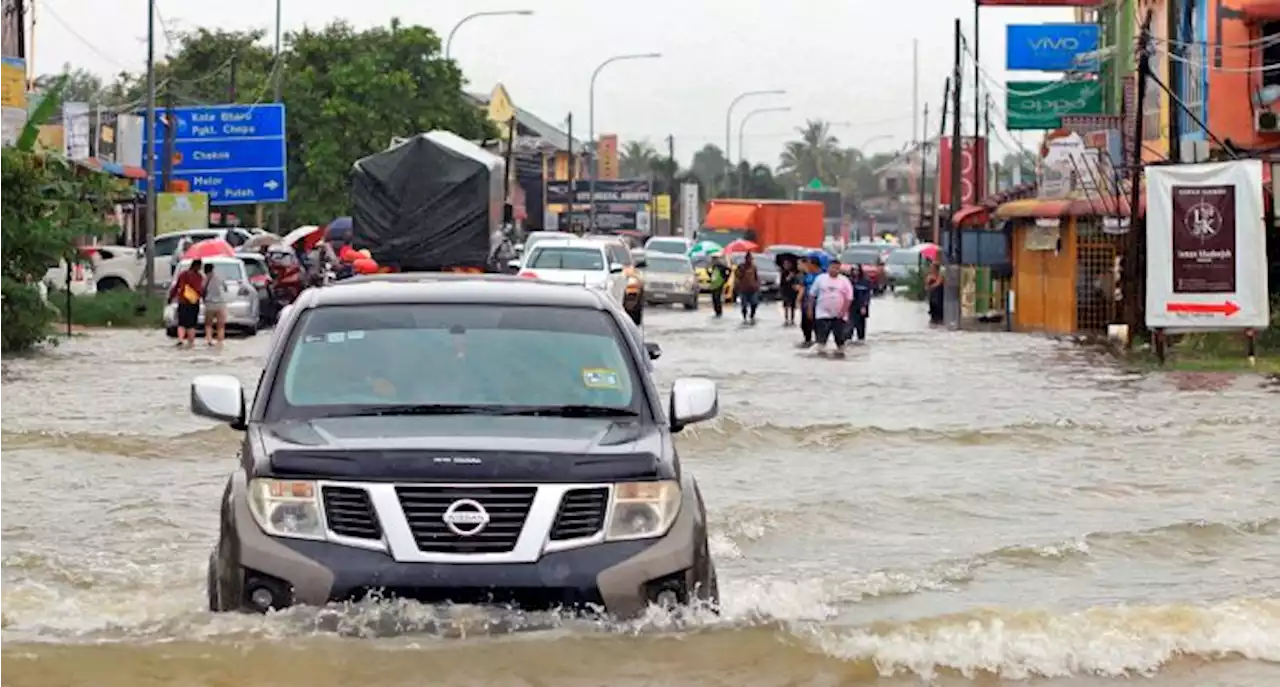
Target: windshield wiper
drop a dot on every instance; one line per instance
(572, 411)
(424, 409)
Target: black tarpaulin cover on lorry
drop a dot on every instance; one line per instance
(426, 204)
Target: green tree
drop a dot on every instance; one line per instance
(709, 166)
(81, 85)
(755, 181)
(816, 155)
(639, 160)
(49, 203)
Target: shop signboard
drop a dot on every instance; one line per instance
(973, 165)
(1051, 47)
(690, 209)
(1206, 247)
(1033, 105)
(618, 203)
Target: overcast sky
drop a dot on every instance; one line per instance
(839, 60)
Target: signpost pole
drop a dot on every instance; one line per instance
(1132, 275)
(276, 67)
(952, 279)
(573, 168)
(149, 269)
(924, 157)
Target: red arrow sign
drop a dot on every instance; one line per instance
(1226, 308)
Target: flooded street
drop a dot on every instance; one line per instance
(939, 508)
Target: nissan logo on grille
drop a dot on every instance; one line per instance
(465, 517)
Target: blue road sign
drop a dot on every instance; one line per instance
(1051, 47)
(236, 153)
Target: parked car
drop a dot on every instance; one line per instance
(243, 305)
(902, 263)
(669, 278)
(456, 440)
(260, 277)
(576, 261)
(675, 245)
(871, 257)
(619, 247)
(167, 245)
(105, 268)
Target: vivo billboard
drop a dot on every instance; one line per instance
(1052, 47)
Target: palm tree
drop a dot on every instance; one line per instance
(638, 159)
(815, 156)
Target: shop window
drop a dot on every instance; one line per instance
(1271, 54)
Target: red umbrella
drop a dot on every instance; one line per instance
(209, 248)
(929, 251)
(742, 246)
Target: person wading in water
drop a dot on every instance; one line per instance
(719, 277)
(215, 307)
(188, 286)
(933, 287)
(746, 283)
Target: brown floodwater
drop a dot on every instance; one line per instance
(939, 508)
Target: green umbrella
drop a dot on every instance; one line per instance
(705, 248)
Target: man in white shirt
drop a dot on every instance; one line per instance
(834, 294)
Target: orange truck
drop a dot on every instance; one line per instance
(765, 222)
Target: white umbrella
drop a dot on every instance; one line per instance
(298, 234)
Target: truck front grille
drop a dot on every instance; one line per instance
(581, 513)
(350, 512)
(506, 508)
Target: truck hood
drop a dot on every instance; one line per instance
(465, 448)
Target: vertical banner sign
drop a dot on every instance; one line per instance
(607, 158)
(1052, 47)
(1206, 247)
(690, 210)
(1032, 105)
(76, 130)
(13, 76)
(973, 166)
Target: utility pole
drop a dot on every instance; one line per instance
(671, 183)
(915, 90)
(952, 280)
(977, 89)
(937, 182)
(170, 133)
(986, 176)
(149, 226)
(924, 161)
(573, 168)
(508, 209)
(1130, 260)
(231, 90)
(276, 67)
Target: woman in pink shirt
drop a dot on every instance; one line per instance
(834, 295)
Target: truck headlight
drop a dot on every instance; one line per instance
(642, 510)
(287, 508)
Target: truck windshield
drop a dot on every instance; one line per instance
(350, 360)
(724, 236)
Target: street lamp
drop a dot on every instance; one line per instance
(728, 116)
(591, 130)
(743, 125)
(448, 43)
(873, 139)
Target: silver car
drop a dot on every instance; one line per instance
(243, 305)
(670, 279)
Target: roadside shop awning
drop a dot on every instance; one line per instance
(1045, 208)
(730, 216)
(1260, 10)
(971, 215)
(113, 168)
